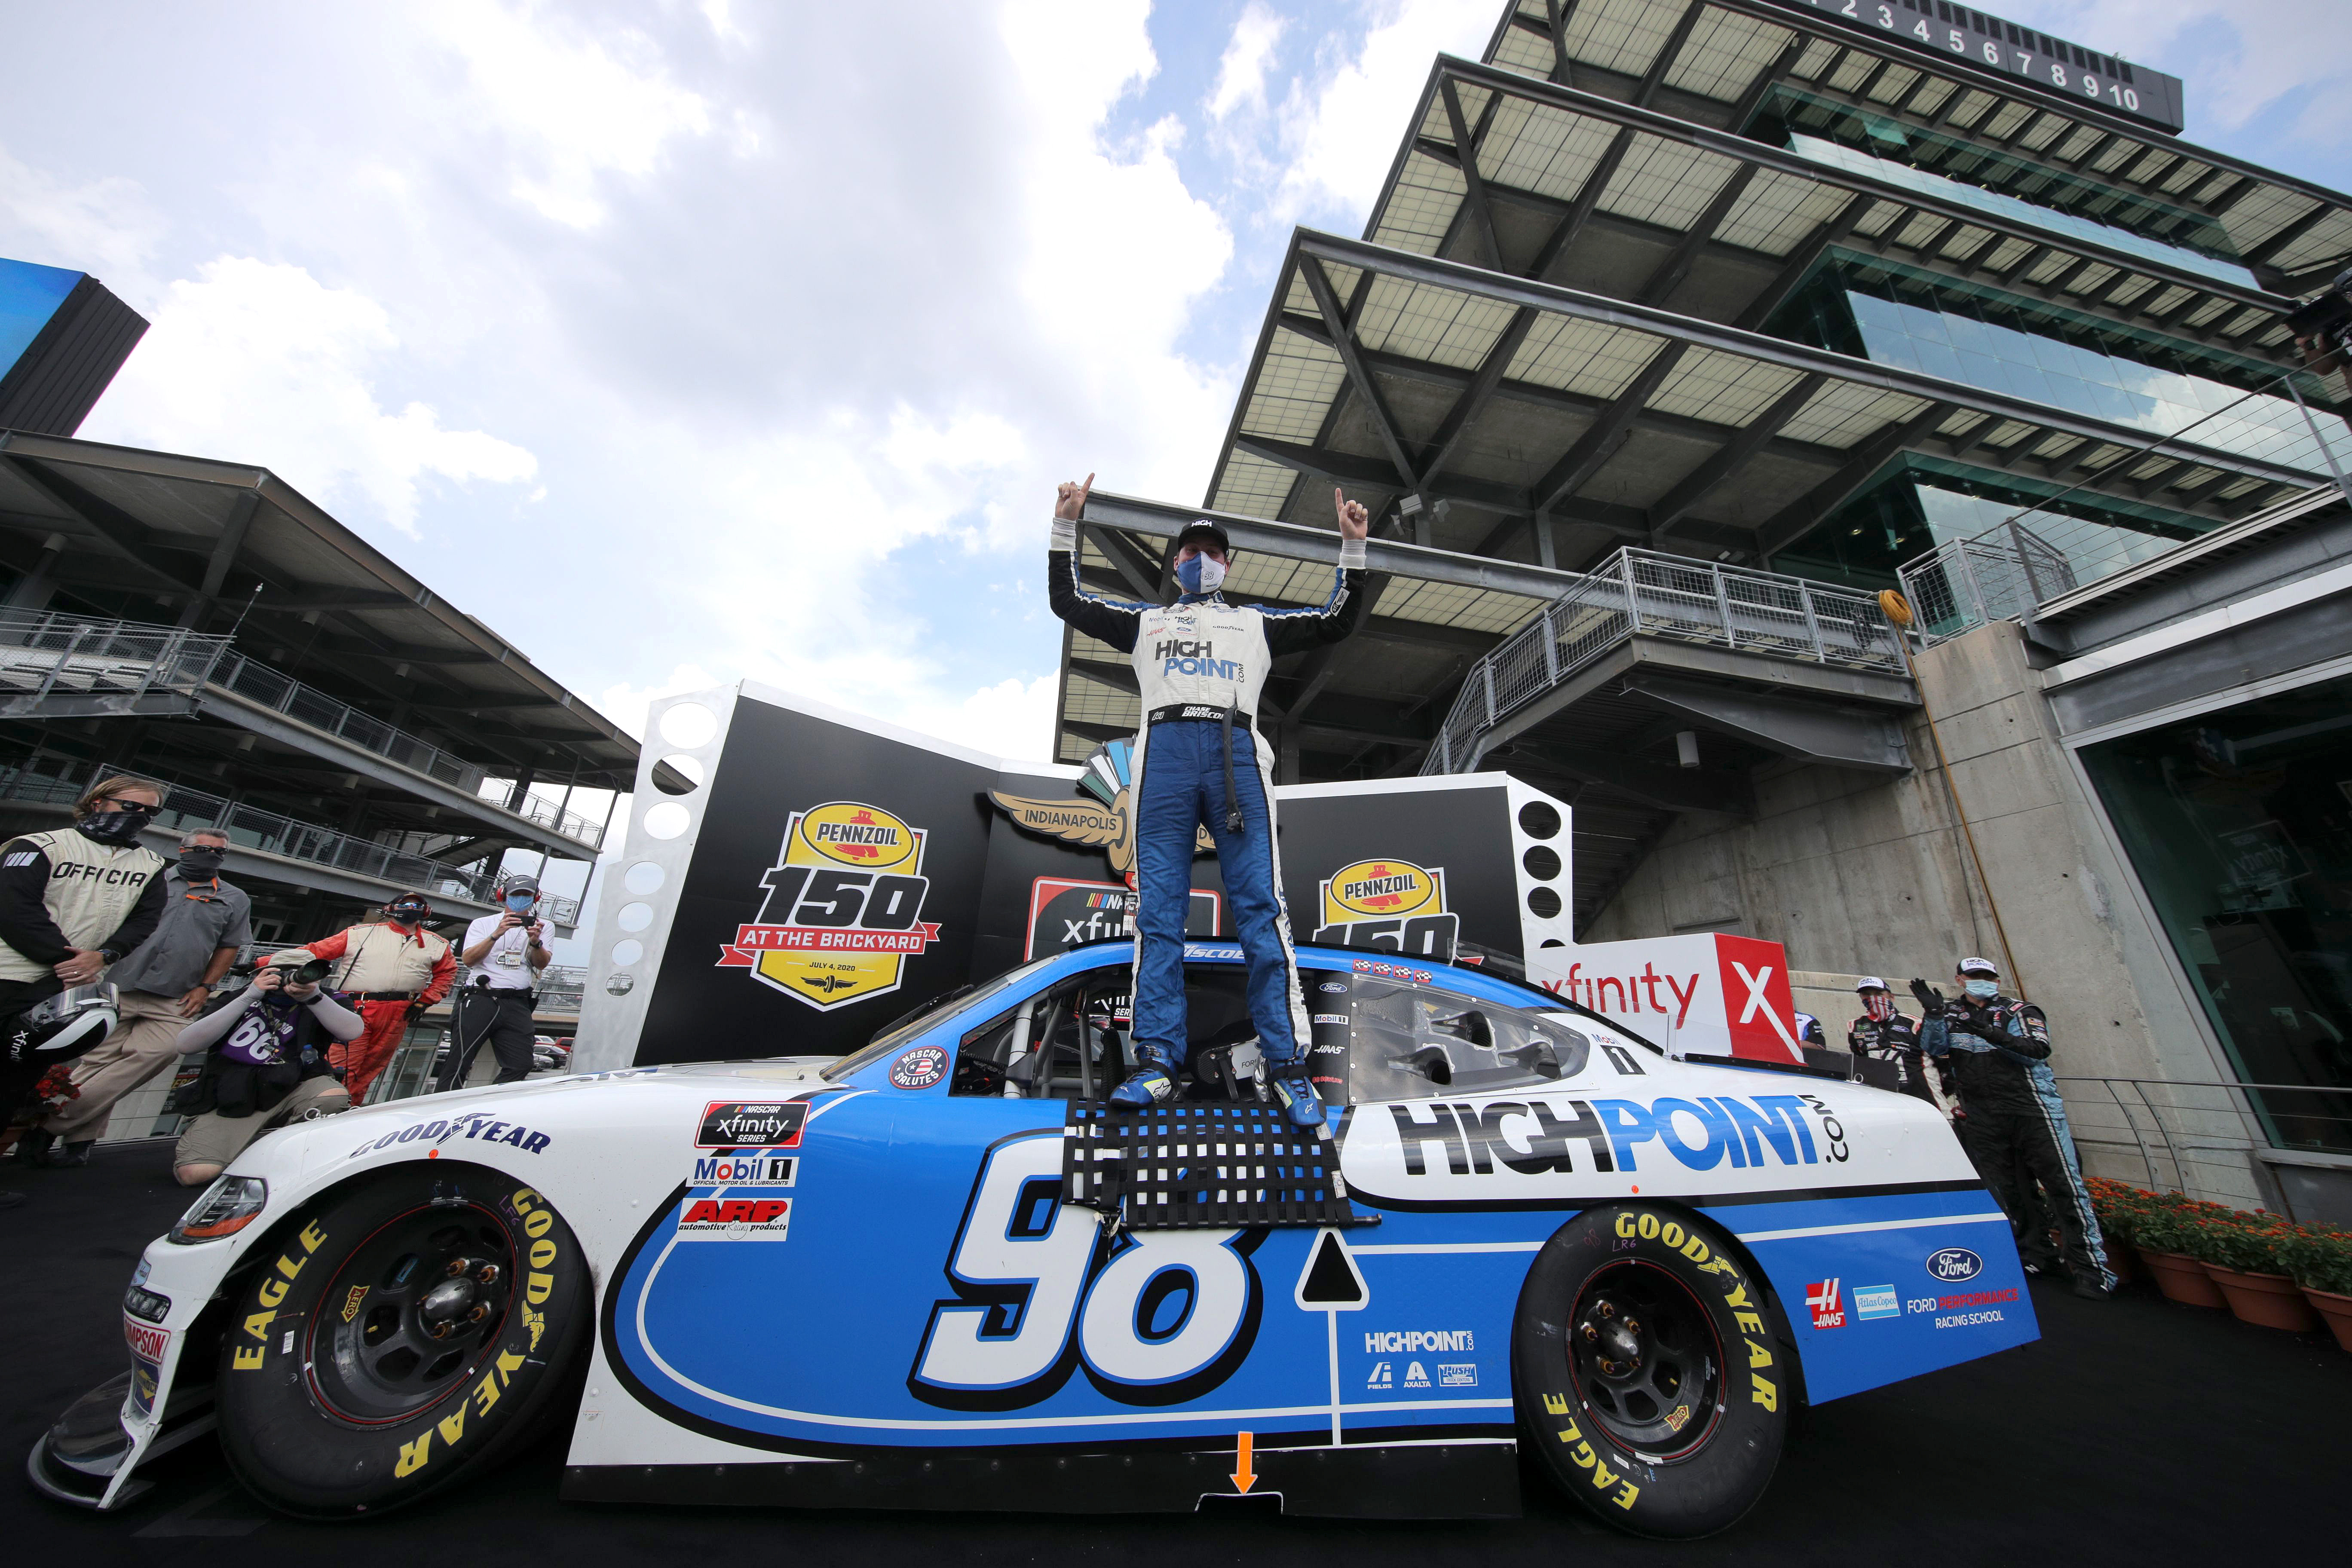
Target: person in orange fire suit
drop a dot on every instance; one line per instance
(390, 970)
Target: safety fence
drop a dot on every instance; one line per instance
(2199, 1136)
(48, 654)
(45, 655)
(1641, 593)
(2069, 539)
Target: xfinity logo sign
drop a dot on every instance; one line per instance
(1953, 1264)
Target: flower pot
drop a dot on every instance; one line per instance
(2183, 1280)
(2338, 1312)
(2119, 1260)
(2265, 1300)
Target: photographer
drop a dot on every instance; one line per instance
(163, 983)
(2322, 326)
(266, 1064)
(72, 900)
(503, 954)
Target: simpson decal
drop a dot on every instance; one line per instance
(1390, 904)
(843, 908)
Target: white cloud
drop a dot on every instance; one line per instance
(1342, 132)
(572, 109)
(108, 227)
(2282, 48)
(1241, 71)
(261, 362)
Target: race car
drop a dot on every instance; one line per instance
(937, 1274)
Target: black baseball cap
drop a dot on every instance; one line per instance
(1204, 533)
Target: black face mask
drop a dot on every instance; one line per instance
(201, 862)
(408, 914)
(118, 826)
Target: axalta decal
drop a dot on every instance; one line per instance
(1391, 904)
(843, 908)
(477, 1127)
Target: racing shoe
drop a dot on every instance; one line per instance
(1146, 1086)
(1296, 1091)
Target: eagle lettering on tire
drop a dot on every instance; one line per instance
(1649, 1373)
(404, 1331)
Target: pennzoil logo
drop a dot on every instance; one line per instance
(843, 908)
(1388, 903)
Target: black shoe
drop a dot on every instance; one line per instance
(33, 1146)
(2090, 1290)
(73, 1154)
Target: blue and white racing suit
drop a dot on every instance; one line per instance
(1195, 660)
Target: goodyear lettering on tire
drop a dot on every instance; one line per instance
(1762, 1390)
(527, 1208)
(268, 1296)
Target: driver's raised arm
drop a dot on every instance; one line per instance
(1106, 620)
(1335, 620)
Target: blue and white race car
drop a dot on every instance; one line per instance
(872, 1281)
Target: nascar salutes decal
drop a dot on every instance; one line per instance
(919, 1068)
(843, 908)
(1391, 904)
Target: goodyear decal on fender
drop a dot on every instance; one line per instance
(1391, 904)
(843, 908)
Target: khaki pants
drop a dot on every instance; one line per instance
(213, 1139)
(143, 1044)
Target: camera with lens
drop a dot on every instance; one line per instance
(309, 974)
(2324, 314)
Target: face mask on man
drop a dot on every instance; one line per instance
(521, 903)
(121, 826)
(203, 860)
(408, 914)
(1200, 574)
(1983, 990)
(1878, 1005)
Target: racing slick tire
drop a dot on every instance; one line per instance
(1647, 1372)
(400, 1333)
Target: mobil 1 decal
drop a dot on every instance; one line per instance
(1409, 871)
(1037, 1290)
(843, 908)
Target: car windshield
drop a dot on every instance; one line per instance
(931, 1012)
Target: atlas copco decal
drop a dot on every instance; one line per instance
(844, 907)
(1536, 1137)
(758, 1124)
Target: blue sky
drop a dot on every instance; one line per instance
(688, 341)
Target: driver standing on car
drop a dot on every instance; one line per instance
(1200, 665)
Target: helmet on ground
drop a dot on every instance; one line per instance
(75, 1020)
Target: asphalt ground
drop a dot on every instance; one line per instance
(2134, 1431)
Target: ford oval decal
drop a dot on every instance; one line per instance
(1953, 1264)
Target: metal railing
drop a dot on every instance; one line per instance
(186, 809)
(2198, 1134)
(1640, 593)
(44, 654)
(2037, 553)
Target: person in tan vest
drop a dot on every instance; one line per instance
(72, 900)
(390, 970)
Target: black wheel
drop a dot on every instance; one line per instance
(410, 1330)
(1647, 1372)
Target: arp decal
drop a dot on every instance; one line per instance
(1954, 1264)
(754, 1124)
(1391, 904)
(843, 908)
(474, 1126)
(734, 1219)
(1153, 1318)
(922, 1067)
